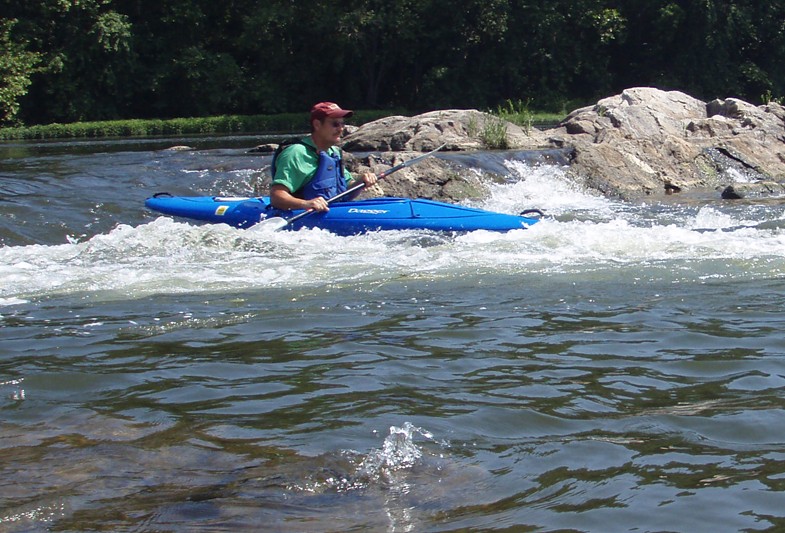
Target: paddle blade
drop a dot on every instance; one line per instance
(272, 224)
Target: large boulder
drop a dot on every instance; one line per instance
(646, 141)
(459, 129)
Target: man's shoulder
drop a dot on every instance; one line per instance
(295, 149)
(301, 144)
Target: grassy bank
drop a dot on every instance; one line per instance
(286, 122)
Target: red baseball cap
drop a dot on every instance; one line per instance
(323, 110)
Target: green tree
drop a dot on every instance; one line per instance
(17, 65)
(373, 34)
(706, 48)
(87, 60)
(462, 57)
(189, 62)
(68, 60)
(561, 50)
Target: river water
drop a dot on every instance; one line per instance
(616, 367)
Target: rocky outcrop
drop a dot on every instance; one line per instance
(394, 139)
(645, 141)
(457, 129)
(432, 178)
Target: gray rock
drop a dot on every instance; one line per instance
(394, 139)
(178, 148)
(266, 148)
(647, 142)
(432, 178)
(458, 129)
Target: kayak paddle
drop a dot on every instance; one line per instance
(277, 223)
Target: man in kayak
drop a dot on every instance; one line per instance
(310, 171)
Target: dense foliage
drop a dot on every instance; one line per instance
(74, 60)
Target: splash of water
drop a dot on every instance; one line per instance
(36, 516)
(398, 452)
(18, 394)
(384, 467)
(548, 188)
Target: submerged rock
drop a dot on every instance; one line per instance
(178, 148)
(266, 148)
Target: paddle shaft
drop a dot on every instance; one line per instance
(359, 186)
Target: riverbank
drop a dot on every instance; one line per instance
(228, 124)
(225, 124)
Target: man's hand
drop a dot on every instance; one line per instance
(369, 178)
(317, 204)
(281, 198)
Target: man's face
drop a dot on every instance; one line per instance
(329, 129)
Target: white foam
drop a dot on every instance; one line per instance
(544, 187)
(166, 256)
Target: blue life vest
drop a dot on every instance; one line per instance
(327, 181)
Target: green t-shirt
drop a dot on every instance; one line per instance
(297, 164)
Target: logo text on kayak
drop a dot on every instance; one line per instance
(368, 211)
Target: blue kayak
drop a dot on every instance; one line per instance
(344, 218)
